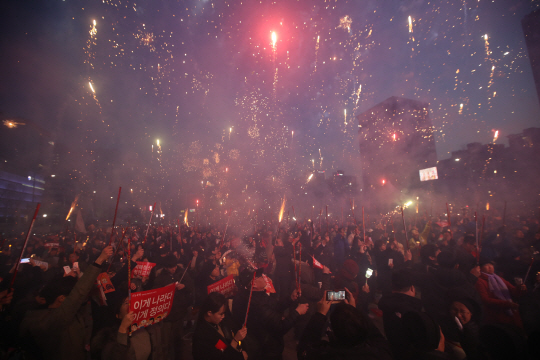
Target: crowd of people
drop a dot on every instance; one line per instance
(435, 290)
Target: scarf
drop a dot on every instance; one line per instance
(499, 289)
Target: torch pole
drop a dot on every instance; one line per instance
(115, 212)
(363, 224)
(149, 222)
(24, 246)
(404, 228)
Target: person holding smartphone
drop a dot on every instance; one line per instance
(352, 334)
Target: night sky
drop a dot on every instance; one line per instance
(232, 109)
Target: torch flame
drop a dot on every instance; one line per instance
(185, 218)
(12, 123)
(274, 39)
(410, 24)
(282, 208)
(73, 204)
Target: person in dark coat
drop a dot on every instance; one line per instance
(311, 294)
(461, 327)
(353, 335)
(283, 275)
(116, 342)
(266, 321)
(444, 280)
(214, 337)
(424, 336)
(402, 300)
(346, 278)
(59, 330)
(173, 323)
(341, 248)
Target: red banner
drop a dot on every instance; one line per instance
(225, 286)
(142, 269)
(151, 306)
(269, 285)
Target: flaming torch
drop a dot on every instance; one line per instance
(496, 136)
(73, 204)
(282, 209)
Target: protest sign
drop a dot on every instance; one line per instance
(143, 268)
(151, 306)
(224, 286)
(105, 282)
(52, 245)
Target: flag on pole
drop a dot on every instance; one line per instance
(317, 264)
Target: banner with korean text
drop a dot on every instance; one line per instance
(151, 306)
(143, 268)
(224, 286)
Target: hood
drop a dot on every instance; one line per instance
(397, 302)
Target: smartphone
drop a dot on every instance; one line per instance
(25, 260)
(75, 265)
(390, 262)
(369, 272)
(67, 269)
(338, 295)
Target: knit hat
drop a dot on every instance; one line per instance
(350, 269)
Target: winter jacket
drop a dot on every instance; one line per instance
(341, 248)
(393, 306)
(311, 347)
(266, 323)
(438, 285)
(182, 298)
(61, 333)
(145, 343)
(208, 342)
(494, 309)
(283, 259)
